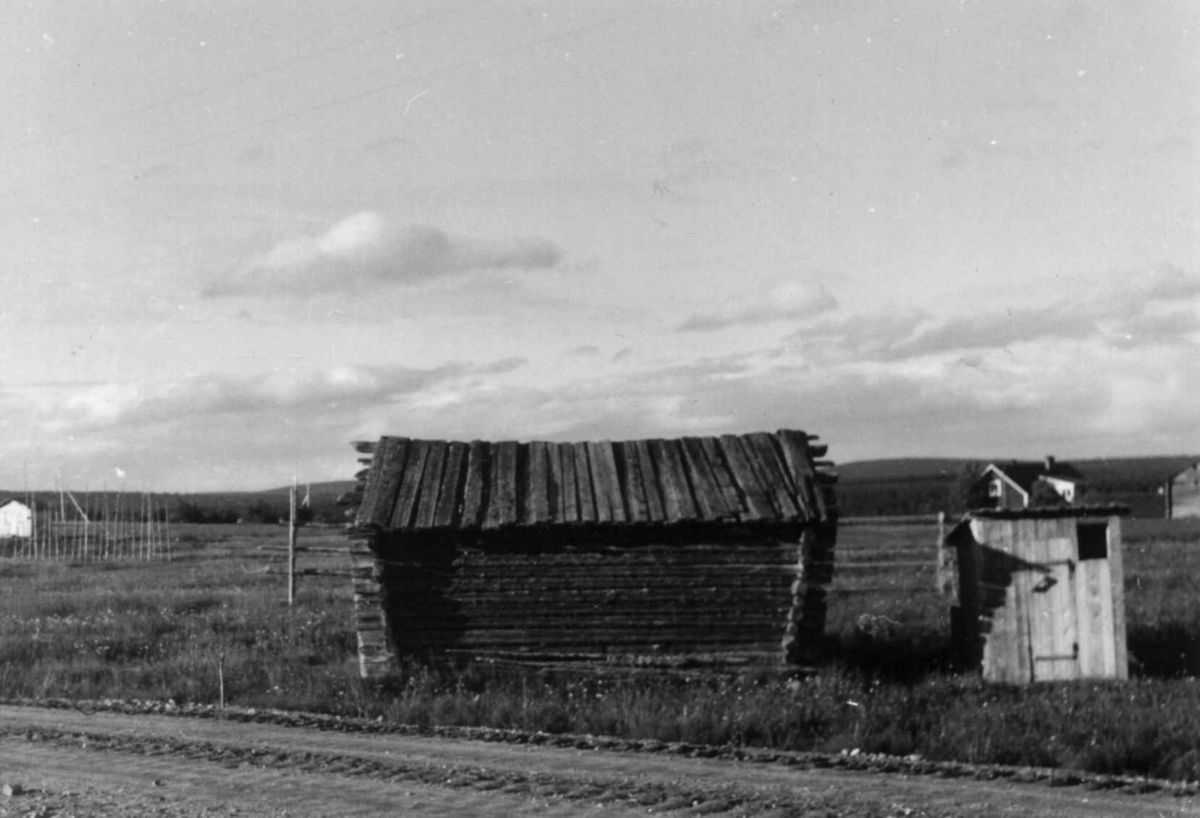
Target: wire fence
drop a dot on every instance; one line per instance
(90, 527)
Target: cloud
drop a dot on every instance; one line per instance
(384, 143)
(155, 170)
(252, 154)
(339, 388)
(785, 301)
(1143, 311)
(224, 432)
(366, 249)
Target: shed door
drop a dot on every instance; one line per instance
(1053, 627)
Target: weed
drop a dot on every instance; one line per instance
(161, 631)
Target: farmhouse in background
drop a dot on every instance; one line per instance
(1024, 483)
(16, 519)
(1181, 493)
(1038, 594)
(646, 553)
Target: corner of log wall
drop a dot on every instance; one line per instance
(375, 657)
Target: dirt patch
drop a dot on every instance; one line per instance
(105, 762)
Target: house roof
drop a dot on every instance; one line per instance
(9, 500)
(435, 484)
(1041, 512)
(1024, 473)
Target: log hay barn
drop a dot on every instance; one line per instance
(644, 553)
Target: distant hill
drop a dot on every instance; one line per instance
(906, 468)
(328, 488)
(1126, 473)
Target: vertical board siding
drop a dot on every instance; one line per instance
(635, 494)
(757, 506)
(410, 484)
(773, 475)
(431, 482)
(604, 483)
(676, 494)
(502, 508)
(453, 474)
(1116, 588)
(606, 455)
(537, 488)
(583, 484)
(570, 491)
(474, 499)
(387, 468)
(650, 484)
(722, 477)
(709, 496)
(554, 488)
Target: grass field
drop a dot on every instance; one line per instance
(212, 619)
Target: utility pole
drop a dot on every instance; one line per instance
(292, 543)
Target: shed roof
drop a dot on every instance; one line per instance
(435, 484)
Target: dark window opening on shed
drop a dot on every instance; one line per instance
(1093, 541)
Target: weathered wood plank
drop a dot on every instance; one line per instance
(364, 446)
(537, 487)
(474, 492)
(410, 484)
(502, 504)
(678, 504)
(570, 493)
(796, 455)
(380, 495)
(710, 499)
(757, 506)
(453, 475)
(431, 483)
(635, 495)
(583, 484)
(606, 480)
(554, 483)
(650, 485)
(1116, 587)
(721, 475)
(774, 473)
(601, 481)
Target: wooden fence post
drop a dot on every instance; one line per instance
(292, 544)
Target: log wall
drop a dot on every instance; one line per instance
(714, 547)
(737, 599)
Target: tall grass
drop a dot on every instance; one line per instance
(176, 630)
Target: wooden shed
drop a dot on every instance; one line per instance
(645, 552)
(1038, 593)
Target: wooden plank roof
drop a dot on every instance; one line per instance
(435, 484)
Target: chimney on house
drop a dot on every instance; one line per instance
(1049, 463)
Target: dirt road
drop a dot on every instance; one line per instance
(64, 762)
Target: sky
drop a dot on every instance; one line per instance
(235, 237)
